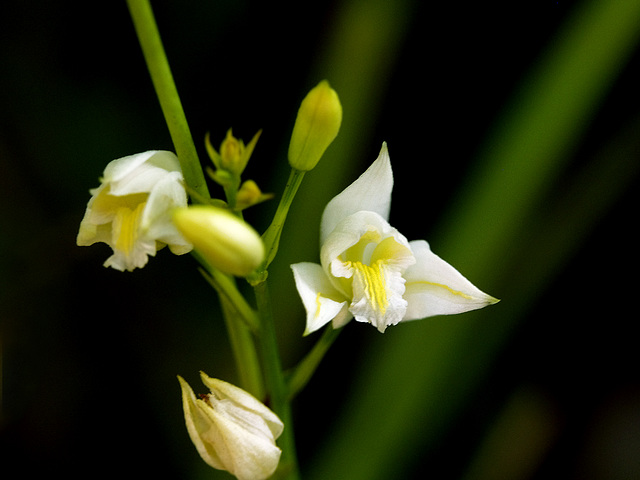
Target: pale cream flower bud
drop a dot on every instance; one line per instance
(227, 242)
(234, 154)
(232, 430)
(317, 125)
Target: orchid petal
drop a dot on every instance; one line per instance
(241, 398)
(167, 194)
(433, 287)
(139, 173)
(371, 192)
(198, 420)
(322, 302)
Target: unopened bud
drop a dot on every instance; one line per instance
(225, 241)
(232, 430)
(234, 155)
(316, 126)
(250, 194)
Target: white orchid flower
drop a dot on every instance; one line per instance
(232, 430)
(369, 271)
(130, 210)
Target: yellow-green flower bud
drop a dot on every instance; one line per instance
(234, 155)
(316, 126)
(250, 194)
(225, 241)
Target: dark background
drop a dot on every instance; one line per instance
(89, 355)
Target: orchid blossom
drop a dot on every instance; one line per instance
(369, 271)
(130, 210)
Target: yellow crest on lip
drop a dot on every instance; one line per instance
(126, 226)
(373, 282)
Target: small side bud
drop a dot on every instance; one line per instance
(250, 194)
(224, 240)
(234, 155)
(317, 125)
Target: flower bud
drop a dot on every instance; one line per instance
(224, 240)
(234, 155)
(232, 430)
(250, 194)
(316, 126)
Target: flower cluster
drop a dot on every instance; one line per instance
(367, 270)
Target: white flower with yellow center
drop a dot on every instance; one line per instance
(369, 271)
(130, 210)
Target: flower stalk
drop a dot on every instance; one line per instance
(298, 378)
(276, 386)
(158, 65)
(226, 247)
(271, 237)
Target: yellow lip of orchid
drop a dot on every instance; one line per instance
(369, 271)
(129, 211)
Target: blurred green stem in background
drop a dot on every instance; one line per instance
(241, 322)
(276, 386)
(302, 373)
(158, 66)
(412, 381)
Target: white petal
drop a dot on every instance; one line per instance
(433, 287)
(371, 191)
(122, 167)
(138, 258)
(165, 160)
(246, 454)
(167, 194)
(139, 173)
(198, 421)
(225, 390)
(321, 300)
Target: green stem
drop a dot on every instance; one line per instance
(241, 320)
(158, 65)
(226, 288)
(244, 351)
(272, 236)
(303, 372)
(276, 386)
